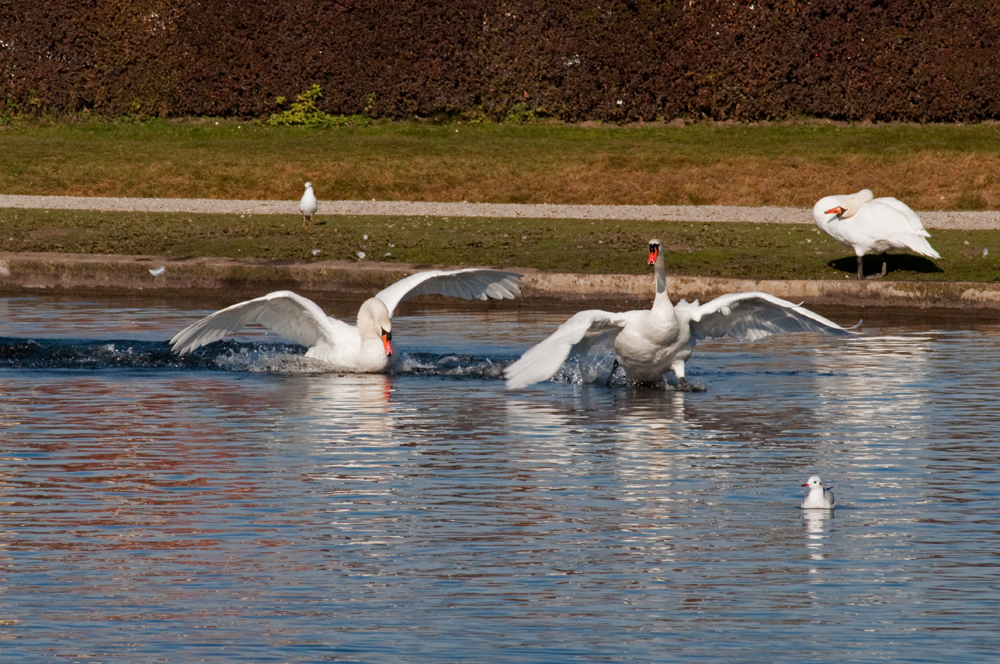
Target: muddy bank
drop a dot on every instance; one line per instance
(54, 272)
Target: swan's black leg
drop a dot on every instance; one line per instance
(861, 268)
(885, 264)
(611, 376)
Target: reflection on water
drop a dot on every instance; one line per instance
(814, 520)
(243, 506)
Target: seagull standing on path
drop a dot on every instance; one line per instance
(308, 206)
(819, 497)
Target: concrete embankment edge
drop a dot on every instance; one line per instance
(52, 272)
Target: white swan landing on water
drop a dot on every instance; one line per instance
(872, 225)
(365, 347)
(651, 342)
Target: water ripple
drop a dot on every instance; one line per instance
(241, 504)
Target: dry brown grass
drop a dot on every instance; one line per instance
(932, 167)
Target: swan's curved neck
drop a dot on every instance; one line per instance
(854, 203)
(662, 300)
(373, 317)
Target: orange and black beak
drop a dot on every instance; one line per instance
(654, 252)
(837, 211)
(387, 342)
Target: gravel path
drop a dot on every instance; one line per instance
(700, 213)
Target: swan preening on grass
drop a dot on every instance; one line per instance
(819, 497)
(872, 225)
(650, 342)
(365, 347)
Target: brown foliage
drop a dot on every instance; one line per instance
(575, 60)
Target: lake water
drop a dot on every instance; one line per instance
(240, 505)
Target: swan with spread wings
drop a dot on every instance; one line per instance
(365, 347)
(650, 342)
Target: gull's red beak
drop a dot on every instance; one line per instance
(806, 484)
(837, 211)
(387, 342)
(653, 253)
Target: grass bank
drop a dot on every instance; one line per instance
(751, 251)
(946, 167)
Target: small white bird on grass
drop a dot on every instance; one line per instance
(820, 497)
(872, 225)
(308, 205)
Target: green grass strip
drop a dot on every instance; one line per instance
(739, 250)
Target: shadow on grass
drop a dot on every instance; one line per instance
(895, 263)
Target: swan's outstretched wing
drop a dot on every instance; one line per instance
(752, 316)
(542, 361)
(470, 284)
(290, 315)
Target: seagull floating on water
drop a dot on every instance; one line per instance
(648, 343)
(308, 205)
(819, 497)
(361, 348)
(871, 225)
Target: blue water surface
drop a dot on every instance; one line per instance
(245, 505)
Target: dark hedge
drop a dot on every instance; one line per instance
(571, 59)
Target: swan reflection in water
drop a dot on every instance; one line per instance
(890, 387)
(640, 416)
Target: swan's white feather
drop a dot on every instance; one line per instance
(468, 283)
(294, 317)
(582, 330)
(911, 217)
(752, 316)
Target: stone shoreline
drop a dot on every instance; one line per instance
(76, 273)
